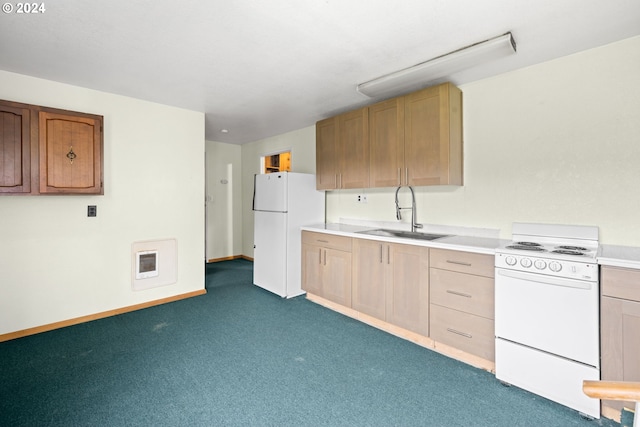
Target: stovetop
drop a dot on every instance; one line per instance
(556, 250)
(552, 249)
(570, 242)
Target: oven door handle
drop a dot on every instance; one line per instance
(546, 280)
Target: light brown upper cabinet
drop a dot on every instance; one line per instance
(342, 151)
(70, 153)
(326, 154)
(49, 151)
(386, 140)
(414, 139)
(417, 139)
(15, 148)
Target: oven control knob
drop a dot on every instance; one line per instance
(525, 262)
(540, 264)
(510, 260)
(555, 266)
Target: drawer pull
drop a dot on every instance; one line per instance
(322, 241)
(453, 331)
(466, 264)
(461, 294)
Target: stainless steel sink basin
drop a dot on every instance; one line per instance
(404, 234)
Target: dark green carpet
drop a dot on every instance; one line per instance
(242, 356)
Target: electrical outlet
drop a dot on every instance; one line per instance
(92, 210)
(361, 198)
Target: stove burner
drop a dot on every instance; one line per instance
(568, 252)
(527, 244)
(520, 246)
(572, 248)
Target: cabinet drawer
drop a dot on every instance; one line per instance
(463, 292)
(332, 241)
(620, 283)
(467, 332)
(463, 262)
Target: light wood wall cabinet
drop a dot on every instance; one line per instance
(386, 139)
(620, 328)
(49, 151)
(342, 151)
(462, 301)
(391, 283)
(326, 266)
(414, 139)
(433, 136)
(327, 154)
(417, 139)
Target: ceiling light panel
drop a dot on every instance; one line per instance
(422, 74)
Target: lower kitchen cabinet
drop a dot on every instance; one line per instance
(368, 289)
(326, 266)
(391, 283)
(440, 299)
(462, 301)
(407, 302)
(464, 331)
(620, 328)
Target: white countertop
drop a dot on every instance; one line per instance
(483, 245)
(609, 255)
(619, 256)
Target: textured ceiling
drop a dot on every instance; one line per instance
(262, 68)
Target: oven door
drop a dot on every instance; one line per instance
(552, 314)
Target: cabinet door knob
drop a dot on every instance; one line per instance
(71, 155)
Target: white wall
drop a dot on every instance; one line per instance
(302, 144)
(58, 264)
(223, 200)
(558, 142)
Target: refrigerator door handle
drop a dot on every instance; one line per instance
(253, 204)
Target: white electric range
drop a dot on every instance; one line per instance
(547, 312)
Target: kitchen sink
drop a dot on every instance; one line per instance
(403, 234)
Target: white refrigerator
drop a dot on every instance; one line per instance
(282, 203)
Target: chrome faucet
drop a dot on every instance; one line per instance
(414, 224)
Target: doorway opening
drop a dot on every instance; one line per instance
(277, 162)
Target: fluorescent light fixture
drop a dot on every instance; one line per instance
(421, 74)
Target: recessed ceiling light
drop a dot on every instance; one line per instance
(224, 130)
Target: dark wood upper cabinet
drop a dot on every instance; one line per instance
(15, 148)
(70, 153)
(49, 151)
